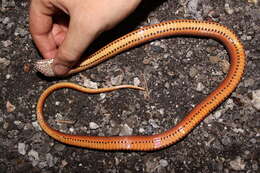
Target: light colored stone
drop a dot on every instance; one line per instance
(34, 157)
(238, 164)
(117, 80)
(200, 87)
(90, 84)
(163, 163)
(21, 148)
(256, 99)
(7, 43)
(93, 126)
(10, 107)
(126, 130)
(50, 160)
(137, 81)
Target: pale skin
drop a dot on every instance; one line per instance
(66, 38)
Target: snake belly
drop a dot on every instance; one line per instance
(154, 142)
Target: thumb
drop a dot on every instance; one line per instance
(77, 39)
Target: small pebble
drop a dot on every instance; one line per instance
(158, 46)
(7, 4)
(71, 129)
(19, 124)
(225, 65)
(4, 63)
(59, 147)
(253, 141)
(57, 103)
(7, 43)
(90, 84)
(193, 7)
(8, 76)
(256, 99)
(36, 125)
(200, 87)
(153, 123)
(21, 148)
(20, 32)
(167, 55)
(49, 159)
(163, 163)
(214, 14)
(93, 126)
(249, 82)
(193, 72)
(126, 130)
(117, 80)
(161, 111)
(189, 54)
(115, 128)
(229, 104)
(150, 165)
(255, 166)
(26, 67)
(243, 37)
(10, 107)
(136, 81)
(214, 59)
(102, 96)
(213, 116)
(226, 140)
(253, 1)
(5, 125)
(42, 164)
(167, 85)
(153, 20)
(141, 130)
(228, 10)
(34, 157)
(6, 20)
(64, 163)
(1, 119)
(238, 164)
(238, 130)
(146, 61)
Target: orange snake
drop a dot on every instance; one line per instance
(137, 37)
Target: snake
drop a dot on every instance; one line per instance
(185, 27)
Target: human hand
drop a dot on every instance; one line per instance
(66, 38)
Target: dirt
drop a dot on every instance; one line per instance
(178, 72)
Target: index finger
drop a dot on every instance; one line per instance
(41, 24)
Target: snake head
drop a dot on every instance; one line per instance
(44, 66)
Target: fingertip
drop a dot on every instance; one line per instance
(60, 69)
(64, 61)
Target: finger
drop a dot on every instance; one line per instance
(40, 28)
(80, 34)
(58, 33)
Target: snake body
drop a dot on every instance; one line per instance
(137, 37)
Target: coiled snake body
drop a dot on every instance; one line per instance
(137, 37)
